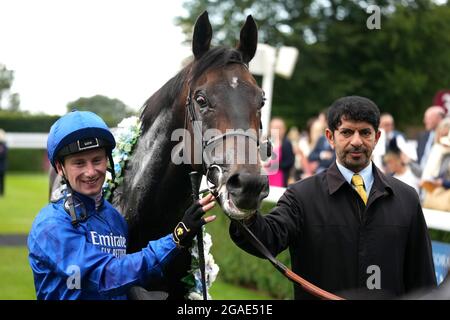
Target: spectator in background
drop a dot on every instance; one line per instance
(436, 180)
(296, 170)
(305, 146)
(399, 169)
(302, 148)
(322, 152)
(317, 129)
(432, 117)
(437, 169)
(394, 138)
(283, 153)
(3, 156)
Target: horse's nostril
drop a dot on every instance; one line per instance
(234, 184)
(247, 190)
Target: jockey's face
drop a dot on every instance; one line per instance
(85, 171)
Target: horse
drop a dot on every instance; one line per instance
(217, 87)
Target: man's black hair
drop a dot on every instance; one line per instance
(353, 108)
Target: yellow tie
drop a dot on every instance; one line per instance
(358, 182)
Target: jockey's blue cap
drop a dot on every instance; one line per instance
(78, 131)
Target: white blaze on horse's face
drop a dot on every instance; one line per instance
(234, 82)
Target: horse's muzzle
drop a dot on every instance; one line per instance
(242, 194)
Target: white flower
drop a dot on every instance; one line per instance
(126, 135)
(211, 268)
(195, 296)
(129, 122)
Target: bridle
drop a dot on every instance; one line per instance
(209, 164)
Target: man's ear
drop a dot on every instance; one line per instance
(330, 137)
(59, 168)
(377, 136)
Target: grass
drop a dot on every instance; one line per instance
(25, 195)
(17, 280)
(16, 276)
(224, 291)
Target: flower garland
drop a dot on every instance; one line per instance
(193, 280)
(126, 135)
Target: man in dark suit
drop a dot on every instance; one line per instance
(432, 117)
(350, 227)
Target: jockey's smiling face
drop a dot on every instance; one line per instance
(85, 171)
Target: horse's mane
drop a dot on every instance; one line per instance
(215, 58)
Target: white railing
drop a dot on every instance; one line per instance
(29, 140)
(32, 140)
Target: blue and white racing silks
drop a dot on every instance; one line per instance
(89, 261)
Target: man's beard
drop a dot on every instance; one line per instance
(351, 163)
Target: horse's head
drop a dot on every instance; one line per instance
(225, 101)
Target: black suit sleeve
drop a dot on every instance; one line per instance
(276, 230)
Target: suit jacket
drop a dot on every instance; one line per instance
(421, 144)
(335, 241)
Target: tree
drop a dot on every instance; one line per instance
(111, 110)
(14, 102)
(6, 80)
(400, 66)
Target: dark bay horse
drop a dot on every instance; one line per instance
(222, 93)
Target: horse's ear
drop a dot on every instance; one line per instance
(202, 35)
(248, 40)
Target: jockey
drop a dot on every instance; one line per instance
(77, 243)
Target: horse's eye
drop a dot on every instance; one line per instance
(201, 100)
(263, 100)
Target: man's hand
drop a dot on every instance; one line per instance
(193, 220)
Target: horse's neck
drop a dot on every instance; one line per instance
(153, 185)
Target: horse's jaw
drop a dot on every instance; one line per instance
(229, 207)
